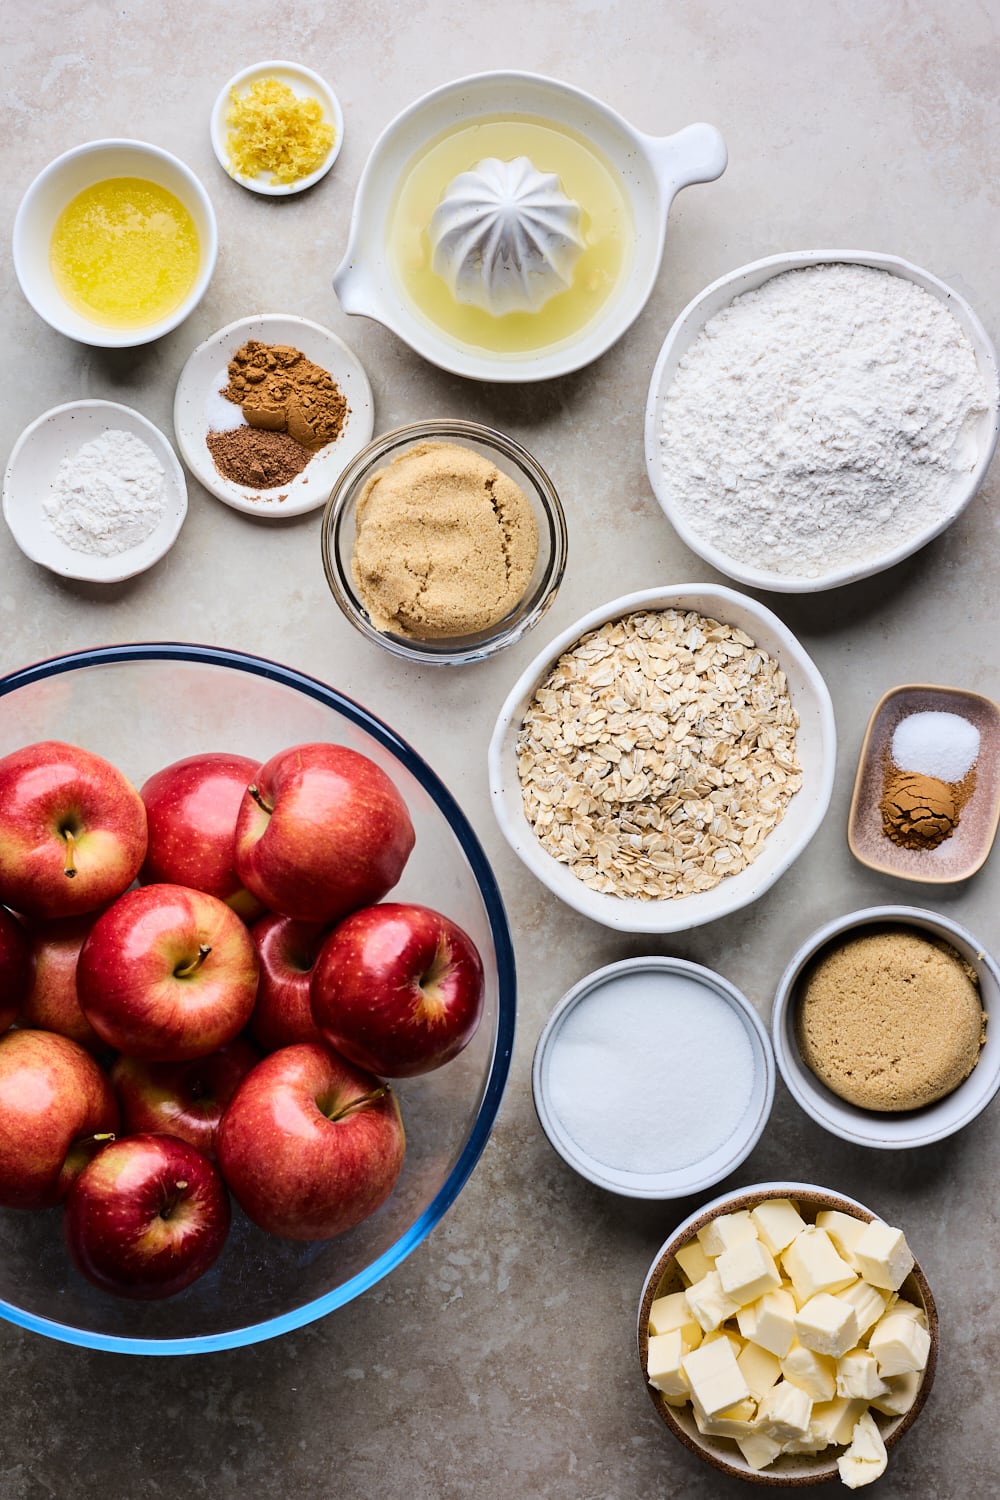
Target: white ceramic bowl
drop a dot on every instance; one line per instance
(863, 1127)
(198, 408)
(33, 465)
(602, 998)
(652, 171)
(57, 185)
(747, 279)
(790, 1470)
(816, 744)
(302, 82)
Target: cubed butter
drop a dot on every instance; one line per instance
(731, 1337)
(758, 1449)
(906, 1309)
(813, 1265)
(844, 1230)
(827, 1325)
(663, 1363)
(868, 1302)
(858, 1376)
(709, 1304)
(900, 1394)
(714, 1377)
(784, 1412)
(693, 1261)
(759, 1368)
(747, 1270)
(866, 1459)
(736, 1421)
(900, 1344)
(773, 1320)
(835, 1420)
(882, 1256)
(725, 1231)
(673, 1311)
(816, 1374)
(777, 1222)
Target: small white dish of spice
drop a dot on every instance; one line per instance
(653, 1077)
(926, 801)
(277, 128)
(94, 491)
(269, 411)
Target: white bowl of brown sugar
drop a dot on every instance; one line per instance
(269, 411)
(881, 1027)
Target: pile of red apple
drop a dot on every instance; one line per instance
(228, 1023)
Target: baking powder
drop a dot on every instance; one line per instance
(108, 496)
(821, 420)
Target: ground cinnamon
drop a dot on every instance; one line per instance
(258, 460)
(919, 812)
(279, 390)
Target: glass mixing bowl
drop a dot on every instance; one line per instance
(142, 707)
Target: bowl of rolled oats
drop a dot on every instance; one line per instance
(664, 760)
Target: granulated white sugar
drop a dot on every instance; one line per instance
(651, 1072)
(936, 744)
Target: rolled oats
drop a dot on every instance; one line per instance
(658, 755)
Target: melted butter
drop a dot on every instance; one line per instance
(124, 252)
(584, 176)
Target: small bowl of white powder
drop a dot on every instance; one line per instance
(816, 417)
(653, 1077)
(94, 491)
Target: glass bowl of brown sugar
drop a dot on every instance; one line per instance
(444, 541)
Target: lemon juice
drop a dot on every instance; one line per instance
(584, 176)
(124, 252)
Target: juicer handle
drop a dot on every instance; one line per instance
(354, 288)
(695, 154)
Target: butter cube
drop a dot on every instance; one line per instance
(907, 1310)
(693, 1261)
(759, 1368)
(835, 1420)
(858, 1376)
(731, 1337)
(736, 1421)
(672, 1311)
(777, 1222)
(709, 1304)
(901, 1392)
(882, 1256)
(725, 1231)
(784, 1412)
(900, 1344)
(813, 1442)
(773, 1321)
(866, 1459)
(814, 1266)
(816, 1374)
(844, 1230)
(758, 1449)
(714, 1377)
(868, 1302)
(747, 1271)
(663, 1363)
(827, 1325)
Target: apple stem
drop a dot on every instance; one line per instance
(69, 867)
(186, 970)
(254, 791)
(172, 1201)
(361, 1103)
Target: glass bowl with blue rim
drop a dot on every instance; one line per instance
(142, 707)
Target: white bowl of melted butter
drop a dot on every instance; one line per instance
(622, 181)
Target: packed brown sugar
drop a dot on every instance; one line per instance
(891, 1020)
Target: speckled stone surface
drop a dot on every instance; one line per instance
(498, 1361)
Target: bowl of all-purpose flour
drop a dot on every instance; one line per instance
(94, 491)
(815, 417)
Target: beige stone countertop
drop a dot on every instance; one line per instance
(498, 1360)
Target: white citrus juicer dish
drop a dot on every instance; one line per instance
(476, 221)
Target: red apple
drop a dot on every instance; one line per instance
(72, 830)
(54, 1103)
(167, 974)
(398, 989)
(186, 1099)
(287, 951)
(147, 1217)
(191, 809)
(310, 1145)
(15, 967)
(52, 1003)
(322, 831)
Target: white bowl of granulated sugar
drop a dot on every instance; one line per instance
(94, 491)
(816, 417)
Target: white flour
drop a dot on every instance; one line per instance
(821, 420)
(108, 496)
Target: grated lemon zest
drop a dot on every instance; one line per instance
(272, 129)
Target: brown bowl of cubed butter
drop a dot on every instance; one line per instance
(787, 1336)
